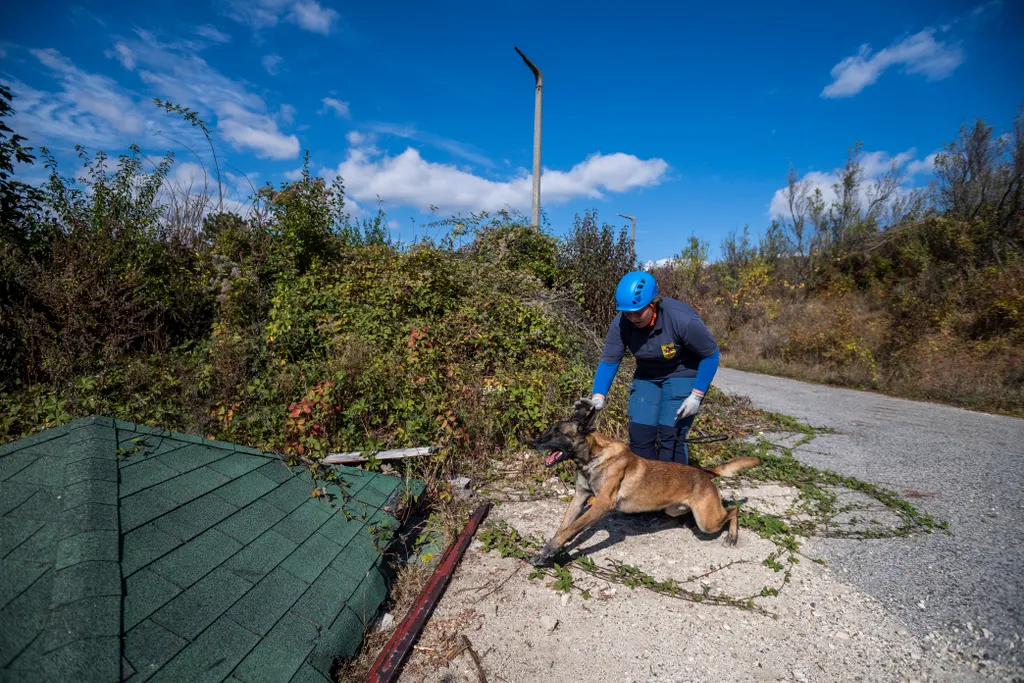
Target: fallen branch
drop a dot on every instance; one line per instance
(476, 660)
(354, 457)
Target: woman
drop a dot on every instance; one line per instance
(676, 359)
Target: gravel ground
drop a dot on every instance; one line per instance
(967, 589)
(826, 630)
(858, 619)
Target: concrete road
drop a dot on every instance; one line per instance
(965, 467)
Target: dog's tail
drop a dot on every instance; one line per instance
(734, 466)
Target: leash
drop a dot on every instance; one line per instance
(697, 439)
(702, 439)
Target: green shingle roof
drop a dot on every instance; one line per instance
(131, 553)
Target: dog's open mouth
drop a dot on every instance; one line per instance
(553, 458)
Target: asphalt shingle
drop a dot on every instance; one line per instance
(248, 523)
(268, 601)
(190, 613)
(311, 558)
(192, 561)
(126, 549)
(246, 489)
(257, 559)
(144, 545)
(211, 656)
(146, 592)
(195, 517)
(280, 654)
(148, 647)
(303, 522)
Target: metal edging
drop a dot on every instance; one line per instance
(389, 662)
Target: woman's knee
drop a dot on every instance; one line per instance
(642, 440)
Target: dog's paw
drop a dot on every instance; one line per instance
(543, 558)
(730, 541)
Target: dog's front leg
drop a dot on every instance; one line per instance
(598, 510)
(577, 504)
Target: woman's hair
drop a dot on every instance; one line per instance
(657, 300)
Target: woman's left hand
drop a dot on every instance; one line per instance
(690, 405)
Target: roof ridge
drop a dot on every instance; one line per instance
(82, 634)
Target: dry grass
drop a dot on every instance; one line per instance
(848, 342)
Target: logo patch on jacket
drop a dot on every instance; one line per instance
(668, 351)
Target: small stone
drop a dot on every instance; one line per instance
(985, 632)
(901, 631)
(921, 604)
(842, 635)
(548, 623)
(799, 675)
(726, 627)
(565, 599)
(387, 622)
(915, 656)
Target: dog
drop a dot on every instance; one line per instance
(615, 478)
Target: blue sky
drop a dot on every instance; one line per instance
(685, 116)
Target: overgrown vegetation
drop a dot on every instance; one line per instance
(915, 293)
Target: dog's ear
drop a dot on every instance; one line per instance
(585, 416)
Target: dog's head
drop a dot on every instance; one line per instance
(567, 439)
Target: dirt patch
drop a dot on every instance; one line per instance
(525, 630)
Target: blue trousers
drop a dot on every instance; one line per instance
(652, 418)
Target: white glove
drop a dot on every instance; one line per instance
(690, 405)
(595, 401)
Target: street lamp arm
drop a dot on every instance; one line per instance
(537, 73)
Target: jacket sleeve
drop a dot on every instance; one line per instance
(611, 357)
(698, 338)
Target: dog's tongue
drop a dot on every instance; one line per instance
(551, 458)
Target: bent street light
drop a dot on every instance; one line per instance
(539, 77)
(634, 228)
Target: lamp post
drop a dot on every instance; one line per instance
(539, 78)
(632, 218)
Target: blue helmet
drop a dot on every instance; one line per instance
(635, 290)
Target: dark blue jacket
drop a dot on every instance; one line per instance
(678, 345)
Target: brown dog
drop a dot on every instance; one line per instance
(618, 479)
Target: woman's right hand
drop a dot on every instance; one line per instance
(595, 401)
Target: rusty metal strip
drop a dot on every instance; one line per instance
(390, 660)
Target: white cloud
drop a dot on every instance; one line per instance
(178, 73)
(337, 106)
(266, 142)
(271, 63)
(213, 34)
(312, 17)
(918, 54)
(922, 166)
(88, 104)
(356, 139)
(453, 147)
(410, 180)
(260, 14)
(123, 54)
(286, 113)
(873, 166)
(989, 7)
